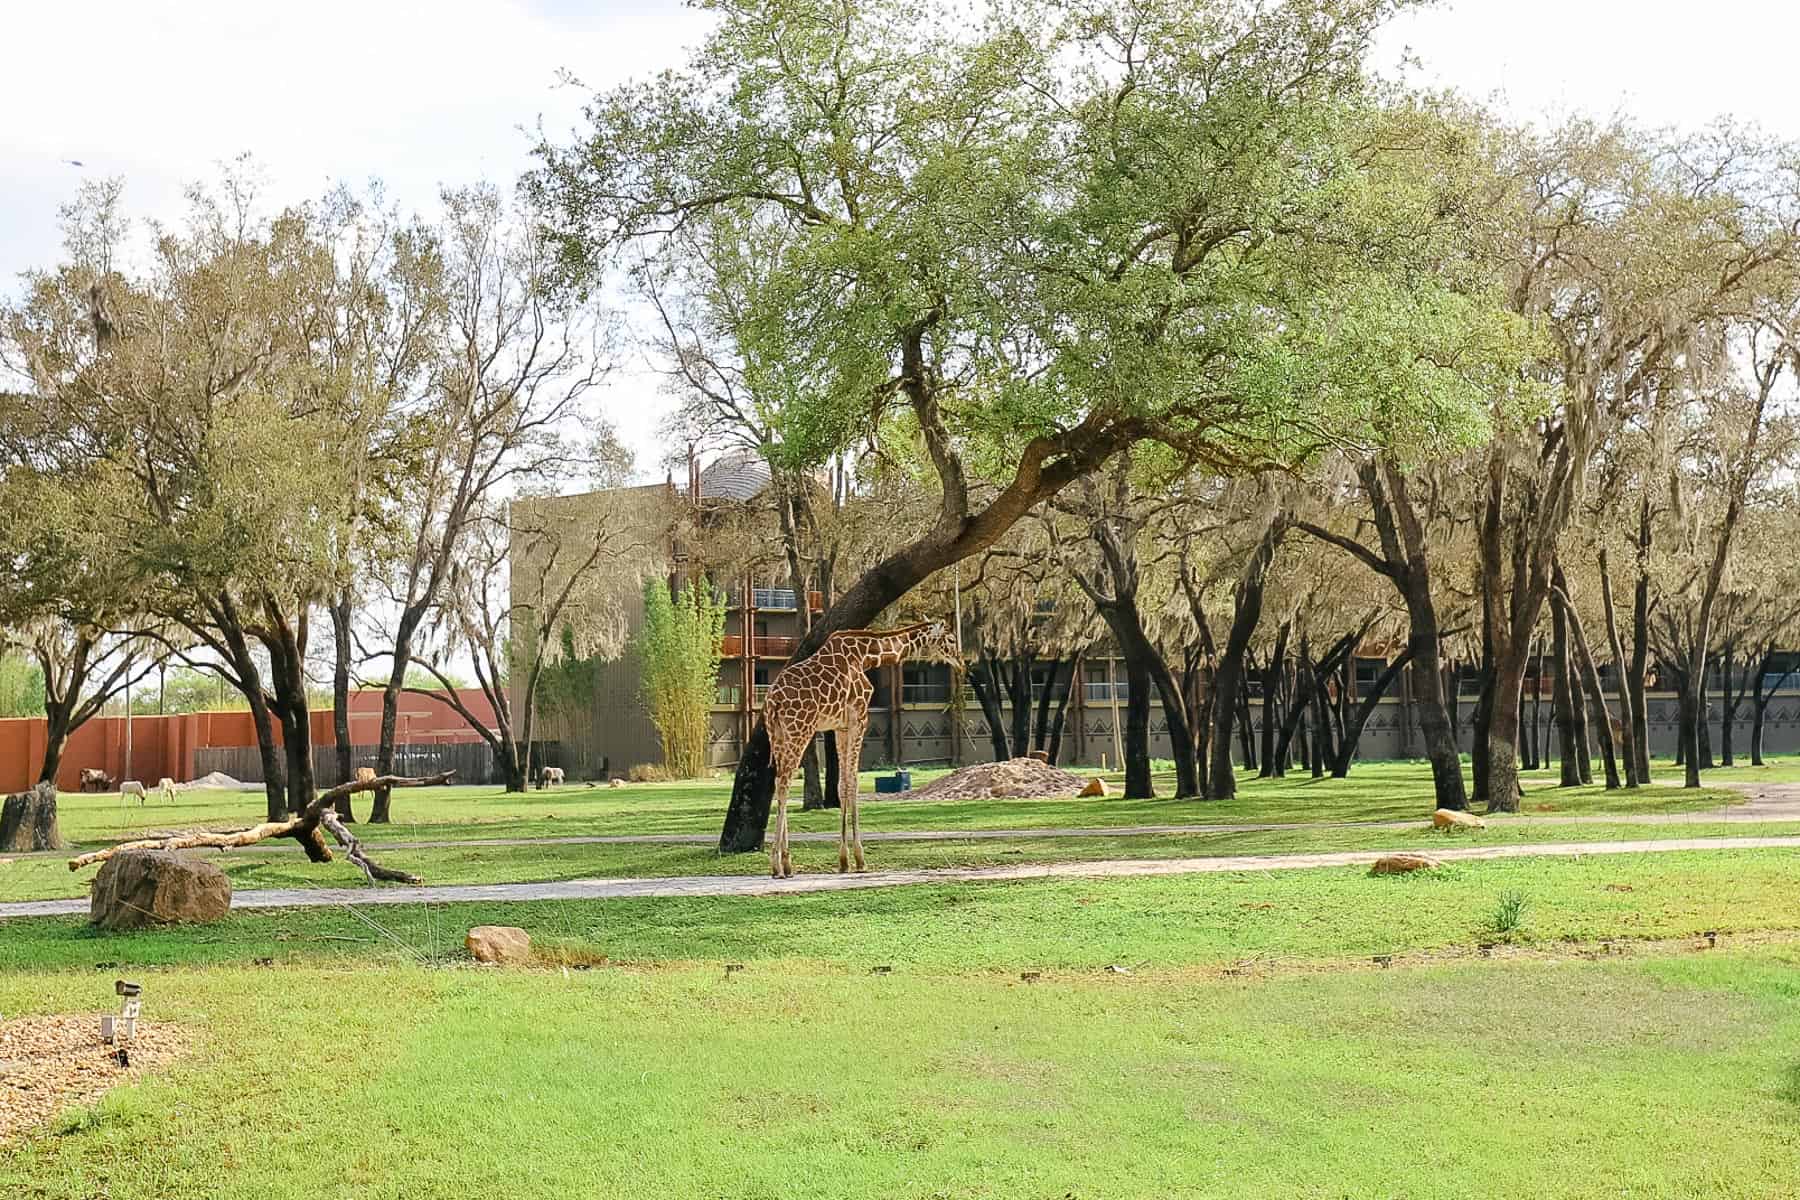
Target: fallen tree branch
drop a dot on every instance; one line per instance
(303, 828)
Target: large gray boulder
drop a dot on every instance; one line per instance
(138, 888)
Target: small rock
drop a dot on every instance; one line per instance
(1095, 787)
(499, 944)
(1400, 864)
(1446, 818)
(139, 888)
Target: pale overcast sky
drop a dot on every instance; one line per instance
(444, 93)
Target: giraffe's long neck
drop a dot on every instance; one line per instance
(886, 650)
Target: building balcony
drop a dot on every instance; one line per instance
(1103, 692)
(731, 645)
(770, 599)
(729, 695)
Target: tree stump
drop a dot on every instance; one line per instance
(28, 821)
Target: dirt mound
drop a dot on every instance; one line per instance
(1019, 778)
(218, 779)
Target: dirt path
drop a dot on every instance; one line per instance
(758, 885)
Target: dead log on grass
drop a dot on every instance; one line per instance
(303, 829)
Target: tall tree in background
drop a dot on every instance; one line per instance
(516, 366)
(1020, 249)
(679, 651)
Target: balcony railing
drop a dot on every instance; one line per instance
(729, 696)
(731, 646)
(762, 693)
(774, 599)
(1103, 691)
(774, 647)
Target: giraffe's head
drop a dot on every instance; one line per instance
(939, 645)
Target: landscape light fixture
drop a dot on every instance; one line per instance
(122, 1028)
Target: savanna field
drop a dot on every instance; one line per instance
(1523, 1026)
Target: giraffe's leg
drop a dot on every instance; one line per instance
(847, 769)
(780, 865)
(843, 807)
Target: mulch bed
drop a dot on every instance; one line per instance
(51, 1063)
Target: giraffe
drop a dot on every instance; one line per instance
(830, 691)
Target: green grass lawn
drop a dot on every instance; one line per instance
(1386, 791)
(48, 878)
(1337, 815)
(364, 1063)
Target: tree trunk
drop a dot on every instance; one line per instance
(1137, 730)
(1321, 732)
(1568, 712)
(340, 701)
(1627, 721)
(812, 795)
(56, 739)
(1271, 710)
(833, 797)
(1756, 733)
(1434, 724)
(1020, 702)
(1228, 677)
(987, 694)
(1060, 716)
(1040, 733)
(1144, 666)
(1759, 699)
(1504, 788)
(1590, 680)
(1689, 705)
(1728, 702)
(1702, 722)
(1640, 647)
(28, 822)
(1353, 731)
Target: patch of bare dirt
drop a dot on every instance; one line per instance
(1016, 779)
(48, 1064)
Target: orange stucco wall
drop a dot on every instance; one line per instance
(165, 745)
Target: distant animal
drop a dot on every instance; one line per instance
(167, 787)
(93, 779)
(615, 783)
(365, 774)
(550, 776)
(132, 787)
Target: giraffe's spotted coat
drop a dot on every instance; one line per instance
(830, 691)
